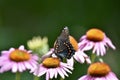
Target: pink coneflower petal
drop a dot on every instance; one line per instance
(108, 41)
(21, 47)
(4, 53)
(51, 72)
(82, 44)
(63, 71)
(67, 70)
(19, 67)
(88, 46)
(41, 71)
(97, 49)
(2, 60)
(33, 64)
(66, 65)
(47, 75)
(55, 72)
(14, 68)
(7, 52)
(27, 65)
(22, 66)
(83, 37)
(60, 73)
(34, 57)
(10, 50)
(5, 67)
(79, 58)
(112, 76)
(102, 49)
(94, 48)
(100, 78)
(88, 60)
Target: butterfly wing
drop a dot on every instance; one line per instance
(63, 48)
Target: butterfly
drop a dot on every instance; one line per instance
(62, 47)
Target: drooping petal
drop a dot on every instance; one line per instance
(52, 72)
(97, 50)
(14, 67)
(56, 73)
(27, 65)
(47, 75)
(103, 49)
(64, 72)
(83, 37)
(79, 58)
(22, 66)
(109, 42)
(112, 76)
(88, 46)
(19, 67)
(41, 71)
(67, 70)
(88, 60)
(66, 65)
(60, 72)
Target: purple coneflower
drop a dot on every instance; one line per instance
(97, 40)
(52, 66)
(99, 71)
(17, 60)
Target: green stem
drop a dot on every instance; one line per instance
(17, 76)
(93, 56)
(36, 78)
(61, 79)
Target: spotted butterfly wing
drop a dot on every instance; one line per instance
(63, 48)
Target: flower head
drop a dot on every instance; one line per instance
(99, 70)
(79, 55)
(38, 45)
(17, 60)
(73, 42)
(97, 40)
(52, 67)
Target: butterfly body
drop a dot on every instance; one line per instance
(63, 48)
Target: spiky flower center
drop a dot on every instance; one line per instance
(73, 42)
(51, 62)
(98, 69)
(95, 35)
(19, 55)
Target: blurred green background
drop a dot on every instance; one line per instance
(20, 20)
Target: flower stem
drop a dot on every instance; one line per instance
(61, 79)
(93, 56)
(17, 76)
(36, 78)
